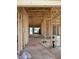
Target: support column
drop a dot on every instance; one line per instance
(19, 29)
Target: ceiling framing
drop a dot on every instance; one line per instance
(36, 15)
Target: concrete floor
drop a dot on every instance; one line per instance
(38, 51)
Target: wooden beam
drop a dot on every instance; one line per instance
(38, 3)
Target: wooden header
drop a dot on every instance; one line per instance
(38, 3)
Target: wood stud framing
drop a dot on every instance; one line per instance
(37, 16)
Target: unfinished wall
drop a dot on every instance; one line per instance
(57, 23)
(43, 28)
(25, 27)
(22, 20)
(48, 30)
(46, 27)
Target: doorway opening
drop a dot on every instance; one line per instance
(35, 30)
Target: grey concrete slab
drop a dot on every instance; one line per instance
(38, 51)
